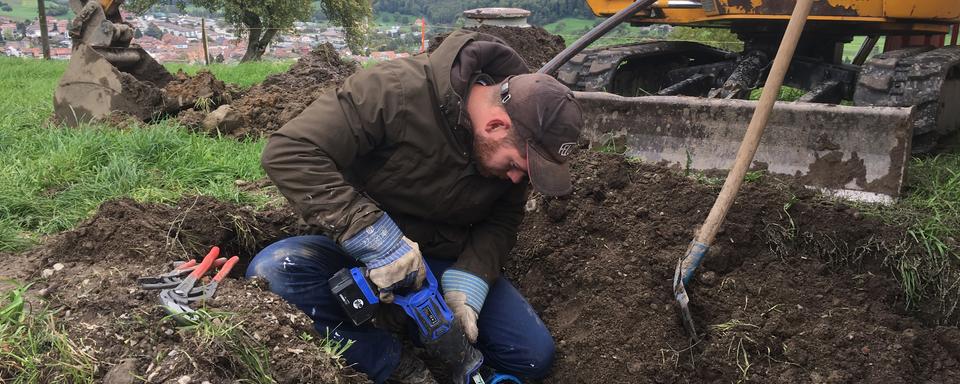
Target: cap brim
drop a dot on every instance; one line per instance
(547, 177)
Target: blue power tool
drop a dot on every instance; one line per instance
(439, 333)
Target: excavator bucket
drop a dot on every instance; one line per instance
(103, 80)
(858, 153)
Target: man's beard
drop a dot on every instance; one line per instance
(483, 149)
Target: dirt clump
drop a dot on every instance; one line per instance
(795, 288)
(120, 120)
(534, 44)
(201, 91)
(279, 98)
(143, 99)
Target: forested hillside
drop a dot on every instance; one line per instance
(446, 12)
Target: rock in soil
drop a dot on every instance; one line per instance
(123, 373)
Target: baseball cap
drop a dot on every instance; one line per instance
(549, 119)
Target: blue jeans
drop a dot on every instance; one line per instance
(511, 337)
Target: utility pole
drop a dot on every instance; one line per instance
(44, 40)
(203, 35)
(423, 34)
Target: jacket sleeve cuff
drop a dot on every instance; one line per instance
(378, 244)
(474, 287)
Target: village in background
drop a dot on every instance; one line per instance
(399, 29)
(176, 38)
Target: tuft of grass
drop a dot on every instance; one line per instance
(930, 209)
(732, 325)
(33, 349)
(786, 93)
(221, 331)
(739, 334)
(334, 346)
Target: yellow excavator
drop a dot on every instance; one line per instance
(852, 132)
(106, 73)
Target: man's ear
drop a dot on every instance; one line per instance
(496, 127)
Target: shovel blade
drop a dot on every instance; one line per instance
(854, 152)
(683, 304)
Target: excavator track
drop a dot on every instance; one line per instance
(604, 68)
(926, 78)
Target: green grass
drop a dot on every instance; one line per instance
(55, 177)
(931, 208)
(850, 49)
(571, 29)
(570, 26)
(243, 74)
(34, 349)
(27, 9)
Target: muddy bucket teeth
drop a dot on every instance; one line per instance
(103, 80)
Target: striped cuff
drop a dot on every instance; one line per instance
(377, 245)
(474, 287)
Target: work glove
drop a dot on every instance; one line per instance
(393, 261)
(464, 294)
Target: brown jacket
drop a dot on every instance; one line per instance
(395, 139)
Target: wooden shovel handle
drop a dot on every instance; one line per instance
(761, 115)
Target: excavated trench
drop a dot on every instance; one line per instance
(794, 291)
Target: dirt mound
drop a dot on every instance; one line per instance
(534, 44)
(279, 98)
(126, 331)
(793, 291)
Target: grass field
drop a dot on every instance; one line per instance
(27, 9)
(54, 177)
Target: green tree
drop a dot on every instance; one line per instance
(153, 31)
(261, 21)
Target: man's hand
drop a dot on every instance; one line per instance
(393, 261)
(457, 301)
(464, 293)
(406, 271)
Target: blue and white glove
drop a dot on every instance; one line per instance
(393, 261)
(464, 294)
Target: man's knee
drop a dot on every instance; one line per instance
(539, 361)
(270, 262)
(295, 258)
(531, 360)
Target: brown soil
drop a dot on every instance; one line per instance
(534, 44)
(124, 328)
(281, 97)
(793, 291)
(146, 100)
(185, 91)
